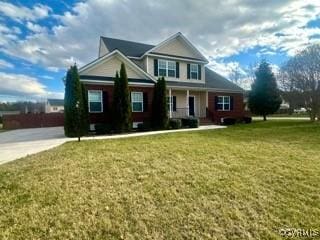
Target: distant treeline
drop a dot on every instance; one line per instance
(23, 107)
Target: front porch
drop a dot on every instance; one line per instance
(187, 103)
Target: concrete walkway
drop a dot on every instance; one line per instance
(283, 118)
(16, 144)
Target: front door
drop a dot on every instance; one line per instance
(191, 105)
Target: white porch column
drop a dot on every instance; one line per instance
(187, 103)
(170, 103)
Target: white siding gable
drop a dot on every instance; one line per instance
(108, 68)
(178, 47)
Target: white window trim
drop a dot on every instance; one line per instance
(193, 64)
(136, 101)
(223, 103)
(167, 68)
(89, 91)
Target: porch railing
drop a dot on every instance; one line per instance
(184, 112)
(180, 113)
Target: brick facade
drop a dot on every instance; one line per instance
(237, 111)
(105, 116)
(215, 115)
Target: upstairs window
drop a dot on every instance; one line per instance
(95, 101)
(223, 103)
(194, 71)
(137, 101)
(166, 68)
(162, 68)
(171, 69)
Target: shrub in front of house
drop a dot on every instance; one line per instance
(175, 123)
(247, 120)
(229, 121)
(190, 122)
(102, 128)
(145, 126)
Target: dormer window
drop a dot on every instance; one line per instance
(167, 68)
(194, 71)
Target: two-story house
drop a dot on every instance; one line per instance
(193, 89)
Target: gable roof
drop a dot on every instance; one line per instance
(128, 48)
(55, 102)
(172, 38)
(122, 56)
(215, 80)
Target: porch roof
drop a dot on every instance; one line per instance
(213, 81)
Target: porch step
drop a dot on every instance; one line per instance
(205, 121)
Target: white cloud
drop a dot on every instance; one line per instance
(20, 13)
(36, 28)
(5, 64)
(220, 29)
(47, 77)
(55, 95)
(20, 85)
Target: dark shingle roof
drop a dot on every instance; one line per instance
(214, 80)
(56, 102)
(128, 48)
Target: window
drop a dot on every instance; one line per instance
(162, 68)
(137, 101)
(55, 109)
(223, 103)
(194, 71)
(167, 68)
(171, 69)
(95, 101)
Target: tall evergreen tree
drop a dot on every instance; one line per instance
(264, 97)
(85, 110)
(74, 105)
(116, 104)
(159, 105)
(121, 102)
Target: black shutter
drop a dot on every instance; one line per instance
(155, 66)
(174, 103)
(177, 70)
(231, 103)
(216, 103)
(199, 71)
(145, 102)
(105, 101)
(188, 71)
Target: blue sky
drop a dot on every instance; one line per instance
(40, 39)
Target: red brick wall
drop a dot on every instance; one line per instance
(33, 120)
(106, 115)
(238, 106)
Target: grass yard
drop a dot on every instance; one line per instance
(244, 182)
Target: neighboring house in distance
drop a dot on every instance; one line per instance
(54, 105)
(2, 113)
(192, 88)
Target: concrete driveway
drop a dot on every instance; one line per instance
(20, 143)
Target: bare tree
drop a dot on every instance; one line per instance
(301, 73)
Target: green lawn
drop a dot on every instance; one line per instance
(244, 182)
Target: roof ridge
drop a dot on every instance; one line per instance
(118, 39)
